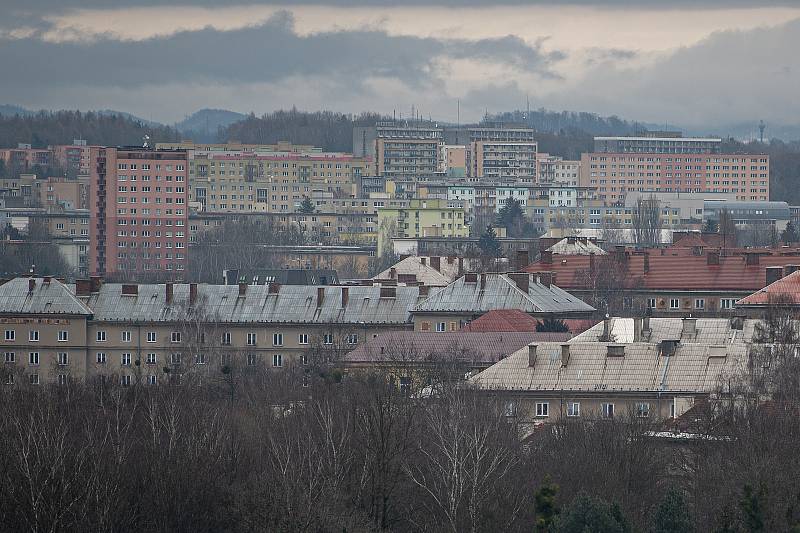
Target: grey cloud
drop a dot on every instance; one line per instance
(266, 53)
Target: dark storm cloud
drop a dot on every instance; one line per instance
(265, 53)
(34, 5)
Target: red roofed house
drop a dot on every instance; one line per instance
(669, 282)
(783, 295)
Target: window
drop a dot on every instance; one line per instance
(125, 336)
(226, 338)
(125, 359)
(10, 335)
(125, 381)
(277, 339)
(511, 409)
(62, 379)
(10, 357)
(674, 303)
(302, 338)
(651, 303)
(607, 410)
(152, 379)
(727, 303)
(175, 336)
(304, 359)
(63, 358)
(9, 379)
(101, 336)
(327, 338)
(151, 336)
(101, 358)
(574, 409)
(352, 338)
(251, 339)
(672, 409)
(699, 303)
(175, 359)
(642, 410)
(63, 336)
(542, 409)
(441, 326)
(33, 335)
(200, 359)
(251, 359)
(33, 358)
(151, 358)
(33, 379)
(277, 360)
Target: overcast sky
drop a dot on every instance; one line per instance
(691, 62)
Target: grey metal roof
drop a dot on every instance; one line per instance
(500, 292)
(482, 347)
(291, 304)
(425, 273)
(49, 298)
(707, 331)
(693, 368)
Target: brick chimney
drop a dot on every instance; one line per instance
(522, 259)
(393, 273)
(274, 288)
(521, 279)
(345, 296)
(547, 257)
(96, 283)
(168, 292)
(320, 296)
(436, 262)
(591, 262)
(619, 253)
(130, 289)
(483, 281)
(242, 290)
(646, 262)
(773, 273)
(31, 284)
(83, 287)
(192, 293)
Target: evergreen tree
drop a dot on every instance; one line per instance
(672, 515)
(711, 226)
(489, 244)
(591, 515)
(555, 325)
(753, 507)
(790, 233)
(306, 207)
(546, 508)
(512, 217)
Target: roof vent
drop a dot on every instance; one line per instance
(667, 347)
(616, 350)
(689, 328)
(388, 292)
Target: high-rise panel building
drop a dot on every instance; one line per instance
(139, 212)
(401, 150)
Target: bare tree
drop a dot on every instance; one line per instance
(647, 221)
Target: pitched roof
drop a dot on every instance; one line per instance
(498, 291)
(49, 297)
(420, 346)
(576, 246)
(503, 320)
(706, 330)
(668, 271)
(421, 268)
(291, 304)
(693, 368)
(788, 287)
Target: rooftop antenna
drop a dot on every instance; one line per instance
(146, 140)
(761, 127)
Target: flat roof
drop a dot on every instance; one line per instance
(670, 139)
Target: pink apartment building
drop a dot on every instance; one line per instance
(139, 212)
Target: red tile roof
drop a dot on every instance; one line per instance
(672, 271)
(788, 286)
(691, 239)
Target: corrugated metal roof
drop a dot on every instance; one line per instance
(693, 368)
(46, 298)
(291, 304)
(500, 292)
(484, 348)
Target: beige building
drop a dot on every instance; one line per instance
(149, 333)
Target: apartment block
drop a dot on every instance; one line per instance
(23, 158)
(139, 211)
(555, 169)
(421, 218)
(75, 158)
(401, 150)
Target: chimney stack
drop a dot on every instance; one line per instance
(646, 262)
(320, 296)
(274, 288)
(531, 355)
(619, 253)
(460, 266)
(521, 279)
(83, 287)
(606, 330)
(712, 257)
(192, 293)
(522, 259)
(547, 257)
(392, 273)
(773, 273)
(751, 258)
(345, 296)
(423, 260)
(130, 289)
(168, 293)
(689, 328)
(31, 284)
(483, 281)
(242, 290)
(564, 354)
(637, 329)
(646, 324)
(591, 262)
(96, 282)
(436, 262)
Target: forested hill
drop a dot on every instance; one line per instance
(61, 127)
(326, 129)
(565, 122)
